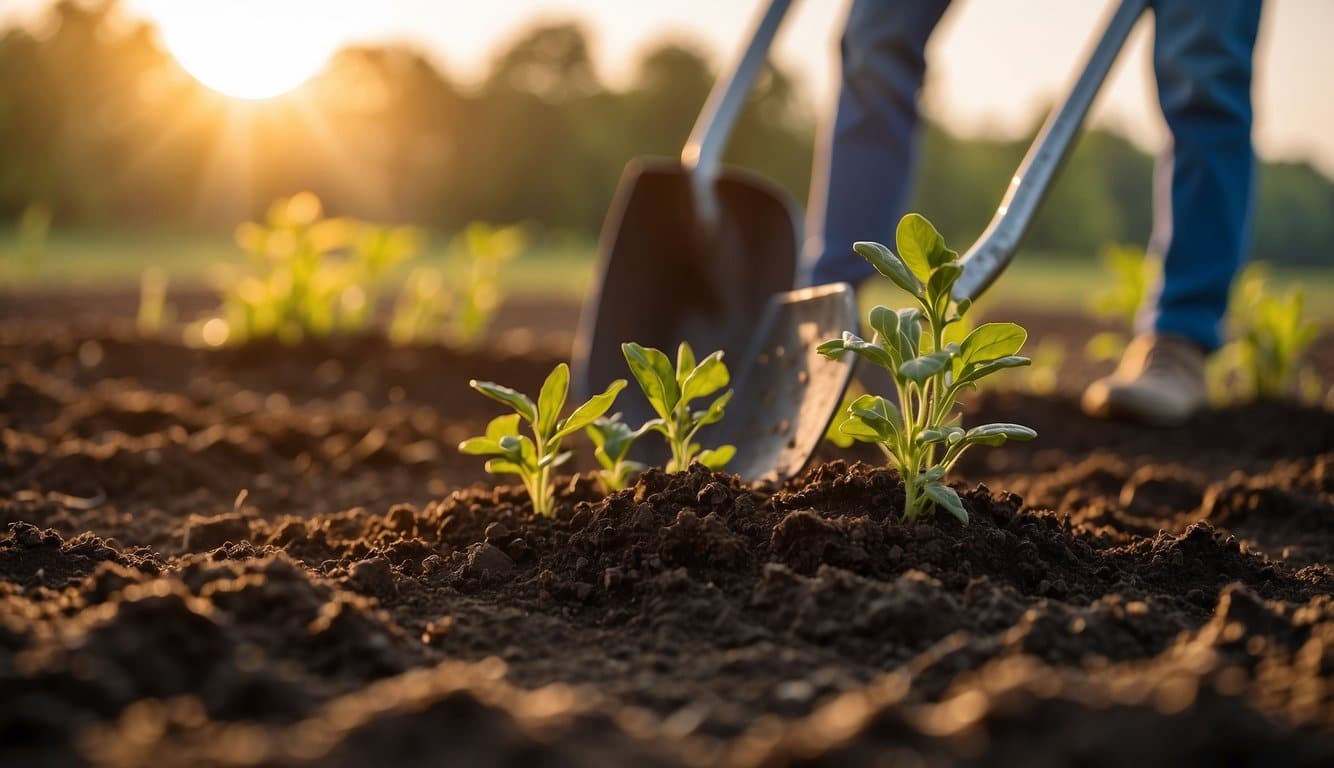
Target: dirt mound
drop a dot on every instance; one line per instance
(274, 556)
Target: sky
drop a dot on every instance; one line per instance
(992, 63)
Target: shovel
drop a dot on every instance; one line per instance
(693, 251)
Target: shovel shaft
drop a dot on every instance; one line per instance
(989, 256)
(703, 151)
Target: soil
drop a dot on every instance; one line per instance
(274, 556)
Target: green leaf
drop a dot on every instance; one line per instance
(919, 369)
(876, 410)
(945, 434)
(910, 333)
(885, 322)
(552, 398)
(946, 497)
(992, 341)
(519, 448)
(832, 349)
(555, 460)
(512, 445)
(717, 458)
(997, 434)
(504, 466)
(889, 265)
(480, 446)
(611, 437)
(516, 400)
(601, 431)
(942, 280)
(709, 377)
(872, 352)
(657, 425)
(503, 425)
(978, 371)
(655, 375)
(857, 429)
(590, 411)
(685, 361)
(714, 414)
(920, 246)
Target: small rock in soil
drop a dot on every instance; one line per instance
(486, 562)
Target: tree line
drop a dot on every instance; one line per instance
(100, 124)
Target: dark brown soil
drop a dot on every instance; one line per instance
(274, 556)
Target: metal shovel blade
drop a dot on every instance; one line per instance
(786, 393)
(666, 277)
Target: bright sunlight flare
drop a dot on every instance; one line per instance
(250, 49)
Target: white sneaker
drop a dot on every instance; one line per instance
(1160, 381)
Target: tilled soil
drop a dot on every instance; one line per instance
(274, 556)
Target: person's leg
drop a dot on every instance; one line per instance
(1202, 58)
(862, 178)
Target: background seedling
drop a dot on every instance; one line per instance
(612, 439)
(458, 300)
(153, 312)
(1044, 373)
(1271, 336)
(1129, 276)
(533, 459)
(308, 275)
(921, 435)
(670, 391)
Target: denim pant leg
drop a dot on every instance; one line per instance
(862, 180)
(1202, 59)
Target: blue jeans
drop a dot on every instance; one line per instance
(1202, 61)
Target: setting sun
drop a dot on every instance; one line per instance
(249, 49)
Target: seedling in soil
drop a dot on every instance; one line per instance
(153, 312)
(670, 391)
(308, 275)
(612, 439)
(920, 435)
(461, 296)
(533, 459)
(1130, 277)
(1265, 360)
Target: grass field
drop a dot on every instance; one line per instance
(116, 259)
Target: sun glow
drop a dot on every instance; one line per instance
(250, 49)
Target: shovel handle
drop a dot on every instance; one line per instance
(703, 151)
(993, 251)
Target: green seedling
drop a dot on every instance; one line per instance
(534, 458)
(1129, 276)
(920, 435)
(1044, 373)
(462, 307)
(308, 275)
(612, 439)
(153, 312)
(1265, 361)
(670, 391)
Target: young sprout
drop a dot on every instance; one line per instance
(1272, 337)
(920, 435)
(1129, 278)
(308, 275)
(612, 439)
(533, 459)
(671, 389)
